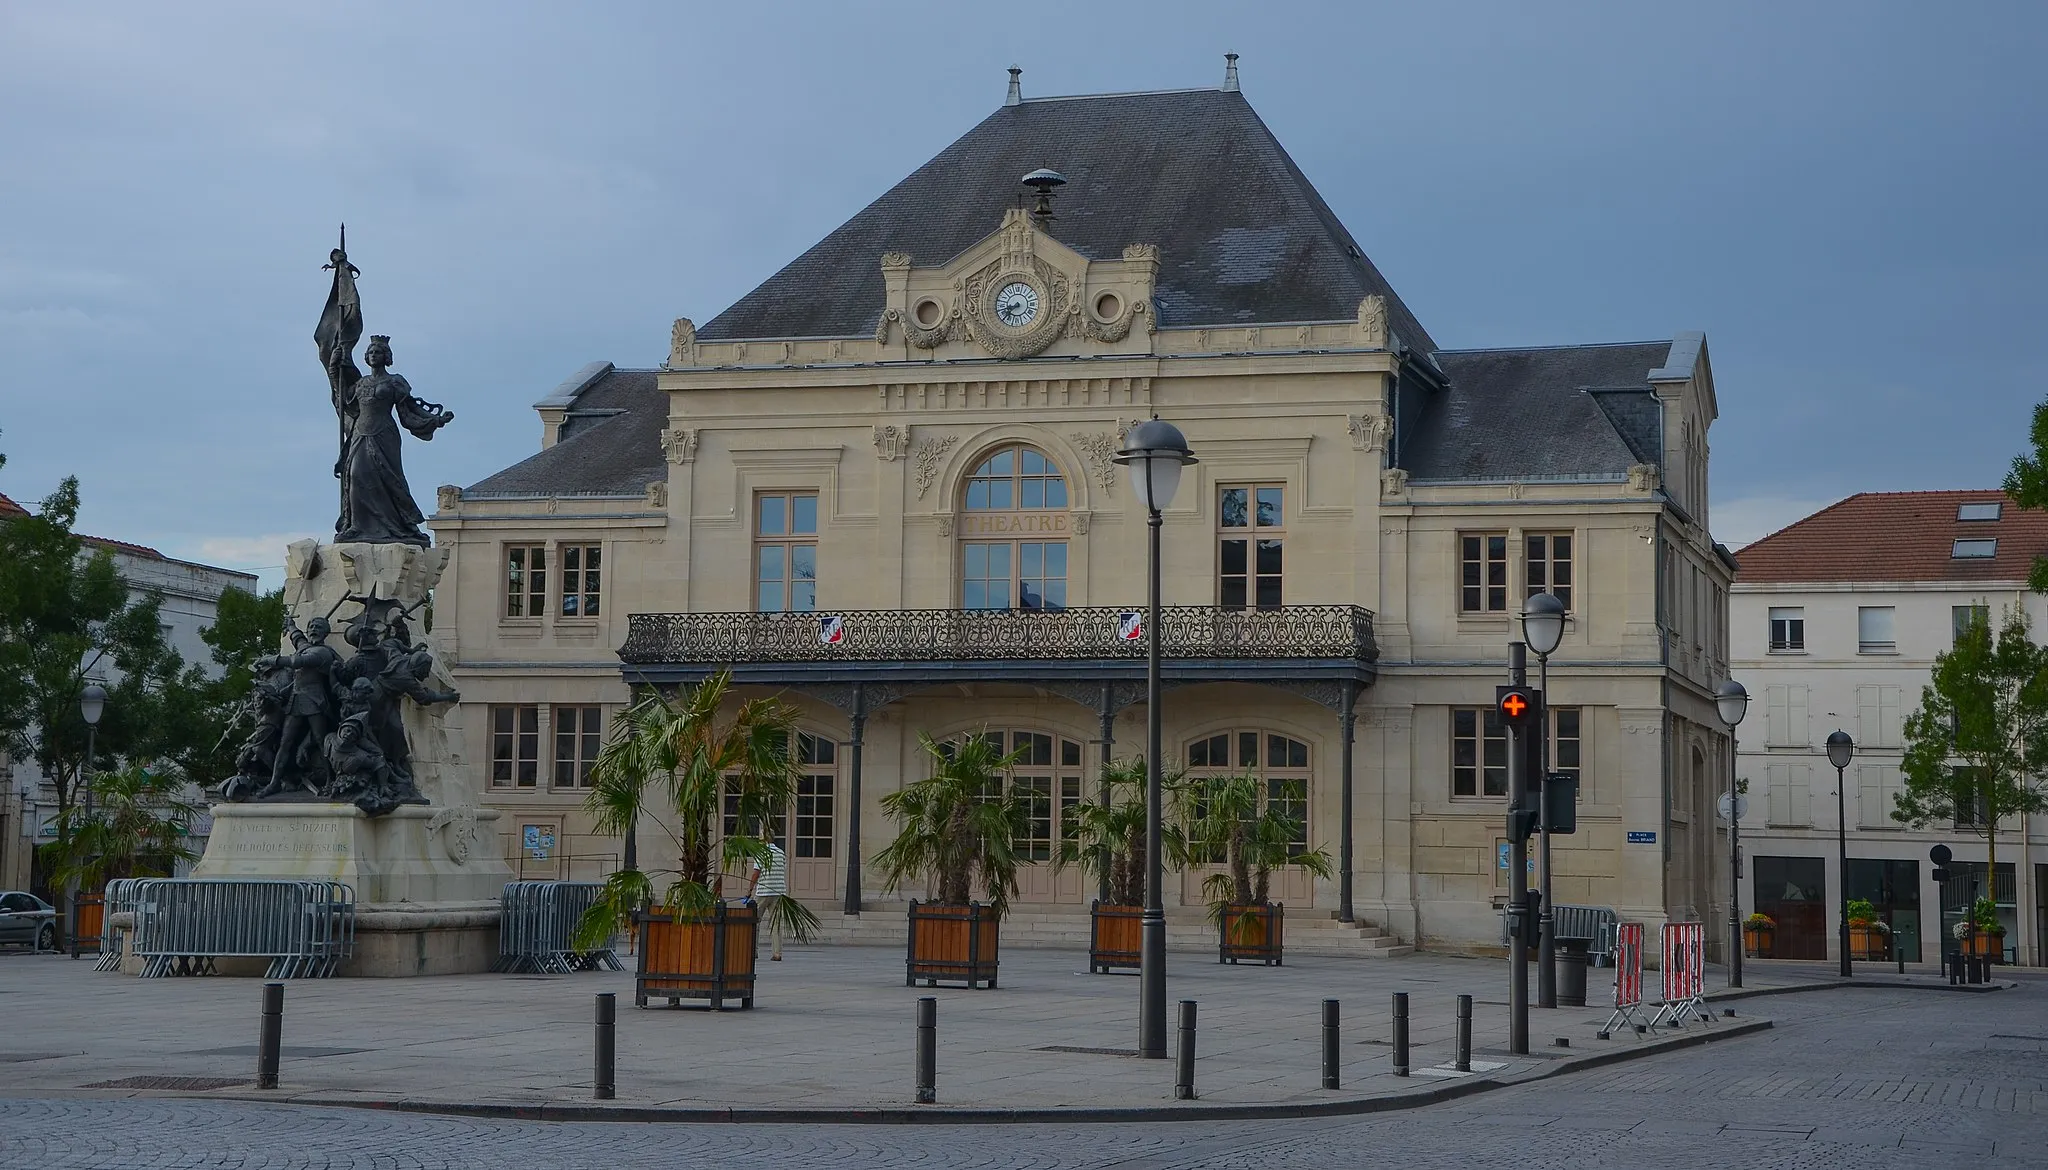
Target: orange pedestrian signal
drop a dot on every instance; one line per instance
(1516, 705)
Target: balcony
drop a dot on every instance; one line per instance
(1097, 642)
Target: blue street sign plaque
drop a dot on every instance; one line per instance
(1642, 837)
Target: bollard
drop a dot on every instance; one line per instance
(1464, 1056)
(927, 1050)
(271, 1036)
(1329, 1044)
(606, 1080)
(1184, 1057)
(1400, 1033)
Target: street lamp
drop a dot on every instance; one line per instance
(1543, 629)
(92, 703)
(1154, 452)
(1733, 701)
(1842, 749)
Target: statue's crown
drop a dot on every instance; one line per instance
(379, 339)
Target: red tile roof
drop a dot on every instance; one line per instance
(1898, 536)
(9, 510)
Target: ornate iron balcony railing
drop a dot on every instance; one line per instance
(949, 635)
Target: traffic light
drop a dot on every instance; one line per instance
(1522, 822)
(1519, 707)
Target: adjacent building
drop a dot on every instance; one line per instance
(1837, 621)
(881, 485)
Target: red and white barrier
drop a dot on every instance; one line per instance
(1628, 976)
(1685, 973)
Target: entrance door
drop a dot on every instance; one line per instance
(1792, 891)
(1893, 887)
(1281, 764)
(813, 871)
(1048, 791)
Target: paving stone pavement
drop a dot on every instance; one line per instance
(1848, 1078)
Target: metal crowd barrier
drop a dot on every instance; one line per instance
(305, 928)
(1596, 924)
(120, 899)
(536, 922)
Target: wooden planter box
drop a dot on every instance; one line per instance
(1114, 934)
(1983, 944)
(1251, 934)
(951, 944)
(1866, 942)
(708, 957)
(92, 917)
(1757, 940)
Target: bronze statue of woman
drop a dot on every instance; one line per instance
(377, 505)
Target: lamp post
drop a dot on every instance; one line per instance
(92, 703)
(1733, 701)
(1154, 452)
(1842, 749)
(1543, 629)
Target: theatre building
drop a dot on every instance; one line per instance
(881, 486)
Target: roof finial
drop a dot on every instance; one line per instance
(1230, 73)
(1016, 97)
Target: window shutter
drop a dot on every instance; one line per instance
(1892, 719)
(1870, 793)
(1777, 715)
(1802, 793)
(1869, 724)
(1796, 719)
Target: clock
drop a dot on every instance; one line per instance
(1016, 304)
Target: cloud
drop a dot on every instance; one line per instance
(261, 555)
(1746, 521)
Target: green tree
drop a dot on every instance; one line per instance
(1107, 841)
(2027, 485)
(1227, 823)
(958, 826)
(244, 628)
(137, 827)
(1977, 747)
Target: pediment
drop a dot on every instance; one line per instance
(1018, 293)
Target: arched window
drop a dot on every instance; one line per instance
(1280, 762)
(1013, 554)
(1047, 779)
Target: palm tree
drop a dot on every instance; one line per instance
(137, 828)
(1108, 840)
(671, 763)
(958, 827)
(1226, 821)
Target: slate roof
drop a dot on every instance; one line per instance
(1898, 536)
(1556, 411)
(609, 444)
(1242, 234)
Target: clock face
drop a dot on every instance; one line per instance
(1016, 304)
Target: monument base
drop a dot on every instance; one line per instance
(427, 885)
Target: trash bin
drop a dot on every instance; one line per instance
(1571, 971)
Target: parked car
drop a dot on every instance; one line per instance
(27, 920)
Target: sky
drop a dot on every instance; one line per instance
(1844, 197)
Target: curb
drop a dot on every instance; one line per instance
(1881, 984)
(943, 1115)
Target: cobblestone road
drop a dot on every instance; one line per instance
(1848, 1078)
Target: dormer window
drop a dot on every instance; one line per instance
(1987, 511)
(1974, 549)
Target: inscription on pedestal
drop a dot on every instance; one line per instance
(313, 837)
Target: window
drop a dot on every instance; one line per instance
(1986, 511)
(1962, 617)
(579, 732)
(1479, 753)
(1253, 522)
(1483, 572)
(515, 745)
(526, 580)
(1877, 789)
(1027, 573)
(1048, 791)
(1969, 803)
(1874, 632)
(1565, 741)
(1966, 550)
(786, 552)
(729, 820)
(1549, 567)
(580, 572)
(814, 796)
(1281, 762)
(1785, 716)
(1788, 795)
(1880, 716)
(1788, 630)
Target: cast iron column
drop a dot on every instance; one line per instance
(857, 723)
(1734, 873)
(1152, 927)
(1347, 722)
(1546, 946)
(1107, 712)
(1518, 878)
(1842, 848)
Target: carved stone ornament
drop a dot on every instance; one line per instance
(680, 444)
(1100, 448)
(1517, 489)
(682, 344)
(946, 525)
(1643, 477)
(1370, 432)
(1141, 252)
(1019, 261)
(895, 260)
(447, 498)
(1394, 482)
(934, 336)
(1082, 521)
(1372, 322)
(890, 441)
(458, 829)
(927, 454)
(657, 494)
(1083, 323)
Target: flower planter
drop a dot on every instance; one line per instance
(951, 944)
(708, 957)
(1866, 942)
(1114, 934)
(1983, 944)
(1251, 934)
(1757, 940)
(91, 911)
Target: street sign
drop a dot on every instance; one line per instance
(1641, 837)
(1741, 806)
